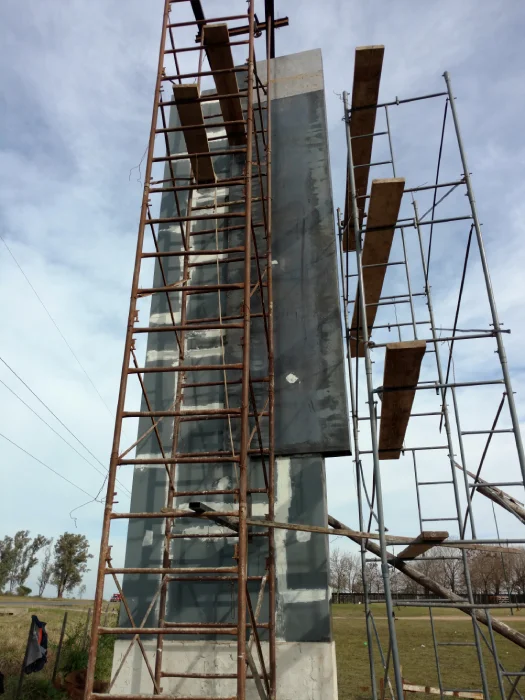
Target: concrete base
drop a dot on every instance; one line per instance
(305, 670)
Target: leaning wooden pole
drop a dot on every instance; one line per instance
(500, 627)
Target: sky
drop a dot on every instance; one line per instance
(75, 104)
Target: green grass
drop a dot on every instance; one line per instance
(459, 665)
(13, 638)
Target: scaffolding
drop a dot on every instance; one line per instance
(206, 227)
(407, 274)
(205, 237)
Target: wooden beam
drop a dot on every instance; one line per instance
(385, 201)
(367, 76)
(502, 498)
(416, 575)
(216, 42)
(190, 114)
(428, 690)
(224, 521)
(425, 541)
(402, 367)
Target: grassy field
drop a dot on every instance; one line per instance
(15, 621)
(458, 664)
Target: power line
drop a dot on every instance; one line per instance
(51, 427)
(95, 498)
(58, 419)
(56, 325)
(45, 465)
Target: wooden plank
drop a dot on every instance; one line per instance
(367, 76)
(425, 541)
(402, 366)
(190, 114)
(502, 498)
(385, 201)
(428, 690)
(216, 41)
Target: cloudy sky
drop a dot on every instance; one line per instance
(76, 92)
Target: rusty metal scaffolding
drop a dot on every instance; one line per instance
(243, 216)
(378, 238)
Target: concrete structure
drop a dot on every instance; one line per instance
(310, 408)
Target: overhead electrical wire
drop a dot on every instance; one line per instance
(99, 471)
(46, 465)
(56, 326)
(59, 420)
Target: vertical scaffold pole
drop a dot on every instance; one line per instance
(490, 292)
(271, 371)
(373, 424)
(245, 387)
(355, 434)
(113, 464)
(450, 443)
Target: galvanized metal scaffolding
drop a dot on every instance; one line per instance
(248, 302)
(369, 465)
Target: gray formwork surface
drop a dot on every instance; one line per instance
(310, 400)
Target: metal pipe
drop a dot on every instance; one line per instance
(437, 385)
(373, 425)
(450, 443)
(397, 102)
(436, 652)
(454, 183)
(272, 603)
(488, 283)
(245, 390)
(185, 49)
(405, 259)
(355, 432)
(110, 493)
(495, 655)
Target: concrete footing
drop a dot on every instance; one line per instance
(305, 670)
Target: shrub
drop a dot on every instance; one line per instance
(74, 656)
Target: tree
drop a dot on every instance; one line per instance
(28, 558)
(70, 562)
(338, 581)
(518, 571)
(452, 573)
(488, 572)
(21, 541)
(18, 557)
(46, 569)
(82, 591)
(7, 560)
(351, 566)
(373, 577)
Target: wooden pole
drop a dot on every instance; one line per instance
(508, 632)
(24, 662)
(59, 649)
(86, 628)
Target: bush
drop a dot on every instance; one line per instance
(23, 590)
(74, 656)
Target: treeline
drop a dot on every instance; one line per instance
(62, 565)
(491, 573)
